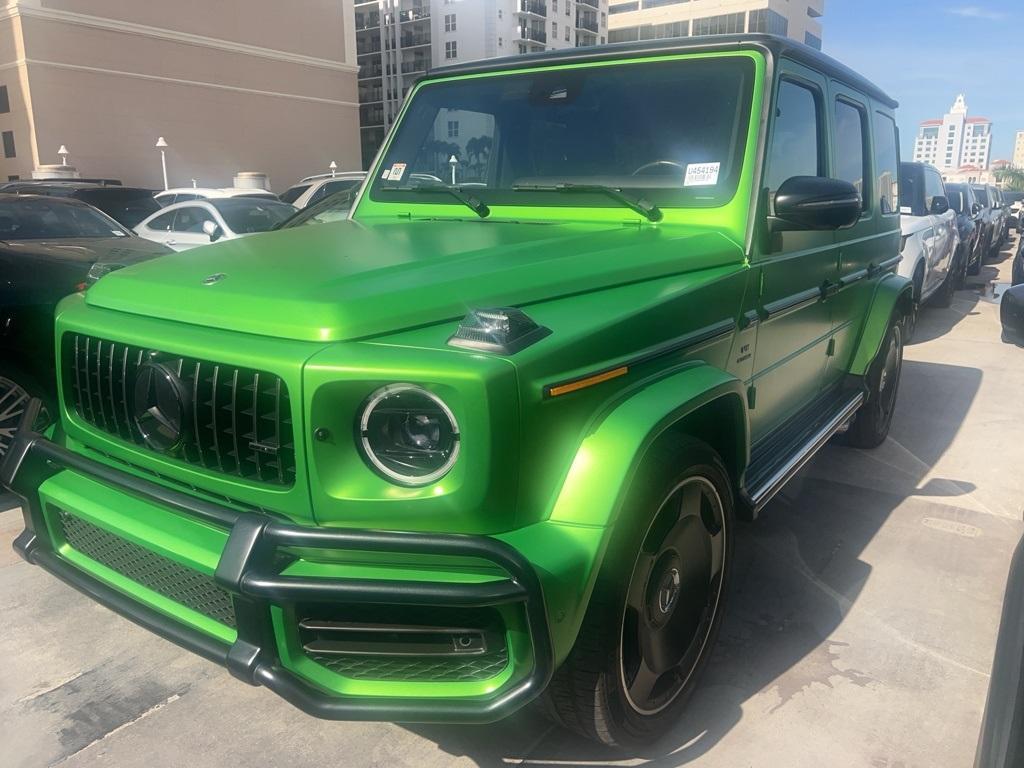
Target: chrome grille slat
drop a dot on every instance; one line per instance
(221, 417)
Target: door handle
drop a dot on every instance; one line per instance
(828, 288)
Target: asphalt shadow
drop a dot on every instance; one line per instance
(798, 572)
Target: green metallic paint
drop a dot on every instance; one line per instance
(893, 293)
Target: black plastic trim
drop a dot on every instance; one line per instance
(249, 568)
(793, 303)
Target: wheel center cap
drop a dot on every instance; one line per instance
(668, 591)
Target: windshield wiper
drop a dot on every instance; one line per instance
(641, 205)
(473, 203)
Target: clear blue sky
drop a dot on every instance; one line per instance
(925, 52)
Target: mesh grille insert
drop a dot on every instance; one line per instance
(238, 421)
(162, 575)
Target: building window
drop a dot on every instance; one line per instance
(604, 20)
(657, 3)
(451, 49)
(15, 177)
(624, 7)
(567, 13)
(5, 105)
(554, 30)
(499, 13)
(8, 138)
(567, 34)
(453, 129)
(812, 40)
(501, 43)
(769, 22)
(554, 6)
(726, 24)
(449, 22)
(626, 35)
(656, 31)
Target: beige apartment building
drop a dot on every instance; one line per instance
(1018, 150)
(231, 85)
(630, 20)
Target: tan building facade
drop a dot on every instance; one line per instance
(1018, 150)
(232, 85)
(630, 20)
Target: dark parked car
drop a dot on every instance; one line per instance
(49, 247)
(988, 221)
(126, 205)
(968, 223)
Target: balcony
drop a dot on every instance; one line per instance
(414, 66)
(414, 14)
(367, 71)
(412, 41)
(533, 33)
(371, 95)
(367, 21)
(586, 22)
(532, 8)
(591, 3)
(371, 116)
(367, 48)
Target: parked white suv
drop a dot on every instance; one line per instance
(187, 194)
(313, 189)
(930, 237)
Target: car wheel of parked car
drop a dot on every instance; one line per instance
(656, 608)
(975, 259)
(14, 398)
(944, 296)
(910, 319)
(871, 423)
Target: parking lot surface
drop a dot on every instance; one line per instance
(860, 633)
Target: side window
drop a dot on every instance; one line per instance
(851, 140)
(796, 142)
(191, 219)
(933, 188)
(162, 223)
(887, 164)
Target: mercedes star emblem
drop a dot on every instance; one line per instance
(160, 405)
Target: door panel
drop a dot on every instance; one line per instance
(792, 339)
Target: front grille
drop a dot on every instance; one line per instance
(238, 423)
(162, 575)
(451, 670)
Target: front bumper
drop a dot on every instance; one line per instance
(248, 569)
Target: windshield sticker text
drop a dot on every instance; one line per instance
(702, 174)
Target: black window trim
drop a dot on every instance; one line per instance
(824, 146)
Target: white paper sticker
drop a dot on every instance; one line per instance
(386, 175)
(117, 233)
(397, 171)
(702, 174)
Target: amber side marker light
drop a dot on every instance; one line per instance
(587, 381)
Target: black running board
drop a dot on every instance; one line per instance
(769, 477)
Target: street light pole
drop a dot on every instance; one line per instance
(162, 145)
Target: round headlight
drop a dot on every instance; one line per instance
(408, 434)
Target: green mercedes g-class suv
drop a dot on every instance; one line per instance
(489, 440)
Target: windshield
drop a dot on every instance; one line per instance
(48, 219)
(245, 215)
(124, 206)
(294, 193)
(633, 127)
(955, 195)
(333, 208)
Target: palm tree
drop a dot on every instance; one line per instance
(1012, 179)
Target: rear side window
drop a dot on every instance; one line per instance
(887, 164)
(162, 223)
(191, 219)
(851, 156)
(796, 142)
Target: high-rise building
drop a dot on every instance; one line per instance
(397, 41)
(955, 141)
(232, 85)
(1018, 151)
(653, 19)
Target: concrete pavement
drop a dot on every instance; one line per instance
(860, 632)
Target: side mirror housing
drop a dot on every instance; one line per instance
(940, 204)
(1011, 313)
(976, 209)
(213, 230)
(815, 203)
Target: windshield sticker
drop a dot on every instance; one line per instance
(702, 174)
(117, 233)
(397, 171)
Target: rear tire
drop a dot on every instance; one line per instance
(944, 296)
(657, 605)
(871, 423)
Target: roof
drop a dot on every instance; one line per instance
(978, 120)
(773, 44)
(931, 122)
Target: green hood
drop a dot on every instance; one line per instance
(348, 280)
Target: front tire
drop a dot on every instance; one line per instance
(15, 392)
(657, 604)
(871, 423)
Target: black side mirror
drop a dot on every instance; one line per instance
(976, 209)
(1011, 313)
(816, 203)
(940, 204)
